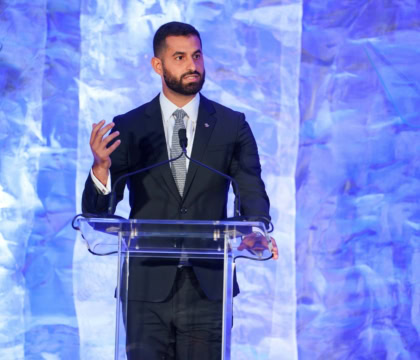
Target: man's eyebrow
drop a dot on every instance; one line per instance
(176, 53)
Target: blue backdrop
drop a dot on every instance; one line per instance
(331, 90)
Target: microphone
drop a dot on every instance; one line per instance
(183, 142)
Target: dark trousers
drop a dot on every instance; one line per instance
(186, 326)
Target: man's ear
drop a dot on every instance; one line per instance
(157, 65)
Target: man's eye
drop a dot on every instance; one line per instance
(197, 56)
(178, 57)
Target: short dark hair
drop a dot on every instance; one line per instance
(173, 28)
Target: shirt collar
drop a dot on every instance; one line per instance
(168, 107)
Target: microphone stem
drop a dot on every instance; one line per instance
(237, 203)
(112, 199)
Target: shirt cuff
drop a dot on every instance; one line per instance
(104, 190)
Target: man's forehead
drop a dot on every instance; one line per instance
(183, 43)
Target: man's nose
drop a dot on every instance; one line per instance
(191, 66)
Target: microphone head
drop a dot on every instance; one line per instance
(183, 141)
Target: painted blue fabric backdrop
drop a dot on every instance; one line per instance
(358, 181)
(331, 90)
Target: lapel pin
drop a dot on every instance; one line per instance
(206, 125)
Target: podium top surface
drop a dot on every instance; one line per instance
(197, 236)
(185, 228)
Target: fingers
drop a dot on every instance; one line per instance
(105, 129)
(97, 140)
(98, 143)
(257, 242)
(247, 242)
(241, 246)
(110, 137)
(108, 151)
(95, 129)
(253, 241)
(275, 249)
(98, 132)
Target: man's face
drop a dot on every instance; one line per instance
(183, 64)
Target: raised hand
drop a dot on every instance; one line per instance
(101, 153)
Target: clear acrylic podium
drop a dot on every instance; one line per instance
(211, 240)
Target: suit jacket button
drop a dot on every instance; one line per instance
(183, 210)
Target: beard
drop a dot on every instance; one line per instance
(179, 87)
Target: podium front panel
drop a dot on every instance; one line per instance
(174, 275)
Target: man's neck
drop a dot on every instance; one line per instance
(178, 99)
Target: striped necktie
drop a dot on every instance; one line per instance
(179, 167)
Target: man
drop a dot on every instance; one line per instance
(174, 307)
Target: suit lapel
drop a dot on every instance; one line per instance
(157, 132)
(205, 125)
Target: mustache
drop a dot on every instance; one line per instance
(190, 73)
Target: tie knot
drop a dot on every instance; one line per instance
(179, 114)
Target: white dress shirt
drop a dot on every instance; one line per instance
(167, 109)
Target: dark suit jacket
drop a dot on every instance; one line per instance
(224, 141)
